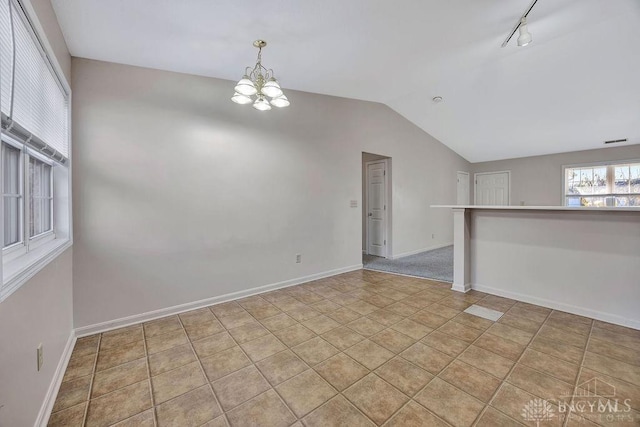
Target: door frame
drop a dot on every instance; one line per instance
(475, 184)
(468, 186)
(387, 198)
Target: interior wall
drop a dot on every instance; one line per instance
(583, 262)
(537, 181)
(40, 311)
(181, 195)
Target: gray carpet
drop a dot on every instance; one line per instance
(436, 264)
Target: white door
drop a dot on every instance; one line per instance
(377, 208)
(492, 189)
(463, 188)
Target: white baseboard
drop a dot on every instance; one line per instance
(430, 248)
(555, 305)
(181, 308)
(54, 386)
(461, 288)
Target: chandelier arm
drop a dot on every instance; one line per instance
(269, 74)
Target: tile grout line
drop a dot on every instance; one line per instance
(456, 358)
(372, 371)
(254, 363)
(146, 351)
(546, 322)
(502, 380)
(146, 357)
(338, 392)
(410, 398)
(515, 364)
(584, 356)
(93, 375)
(204, 374)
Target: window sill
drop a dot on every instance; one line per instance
(19, 270)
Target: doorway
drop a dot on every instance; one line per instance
(492, 188)
(463, 189)
(376, 212)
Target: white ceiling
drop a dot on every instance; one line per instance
(575, 86)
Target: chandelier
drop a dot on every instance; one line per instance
(261, 83)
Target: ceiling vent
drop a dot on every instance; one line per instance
(615, 141)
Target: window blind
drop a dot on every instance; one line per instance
(34, 104)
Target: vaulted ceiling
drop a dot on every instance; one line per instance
(574, 87)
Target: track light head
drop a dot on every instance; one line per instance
(525, 36)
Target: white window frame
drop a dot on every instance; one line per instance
(17, 270)
(38, 239)
(610, 177)
(27, 242)
(17, 246)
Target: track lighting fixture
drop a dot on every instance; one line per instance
(525, 36)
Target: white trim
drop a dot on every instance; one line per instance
(56, 381)
(417, 251)
(181, 308)
(461, 288)
(27, 266)
(594, 314)
(475, 184)
(387, 204)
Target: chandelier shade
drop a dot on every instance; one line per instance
(246, 87)
(239, 98)
(261, 104)
(261, 83)
(271, 88)
(280, 101)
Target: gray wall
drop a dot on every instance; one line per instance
(181, 195)
(585, 262)
(41, 310)
(537, 181)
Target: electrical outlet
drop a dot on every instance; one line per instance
(40, 356)
(298, 259)
(433, 236)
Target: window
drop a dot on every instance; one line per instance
(37, 185)
(603, 185)
(12, 194)
(40, 198)
(36, 190)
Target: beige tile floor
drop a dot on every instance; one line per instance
(358, 349)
